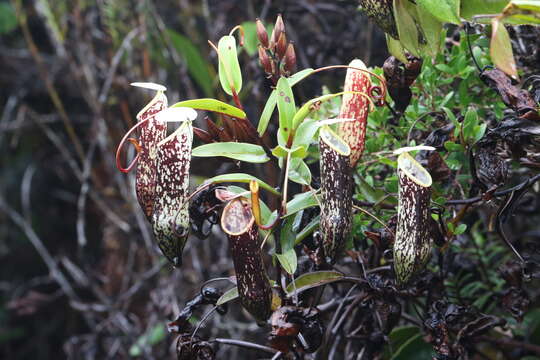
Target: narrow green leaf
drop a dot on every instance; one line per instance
(288, 261)
(198, 68)
(311, 280)
(230, 75)
(501, 49)
(444, 10)
(233, 150)
(286, 105)
(267, 113)
(272, 100)
(287, 234)
(241, 178)
(214, 106)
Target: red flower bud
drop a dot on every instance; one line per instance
(290, 58)
(278, 29)
(265, 60)
(262, 35)
(281, 46)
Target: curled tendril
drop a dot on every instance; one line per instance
(135, 144)
(376, 92)
(379, 98)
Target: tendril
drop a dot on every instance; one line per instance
(135, 144)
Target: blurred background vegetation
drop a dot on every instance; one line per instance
(80, 274)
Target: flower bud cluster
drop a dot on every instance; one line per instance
(276, 53)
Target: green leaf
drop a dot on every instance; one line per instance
(214, 106)
(300, 202)
(199, 69)
(452, 146)
(150, 337)
(287, 234)
(308, 229)
(305, 133)
(267, 113)
(479, 131)
(312, 280)
(396, 49)
(406, 26)
(501, 49)
(431, 29)
(288, 261)
(286, 105)
(299, 172)
(230, 75)
(250, 37)
(469, 123)
(227, 296)
(296, 152)
(415, 348)
(460, 229)
(368, 192)
(232, 294)
(233, 150)
(470, 8)
(522, 12)
(8, 19)
(272, 100)
(241, 178)
(444, 10)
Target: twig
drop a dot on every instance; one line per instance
(530, 181)
(246, 344)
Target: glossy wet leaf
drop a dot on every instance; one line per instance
(230, 75)
(311, 280)
(214, 106)
(233, 150)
